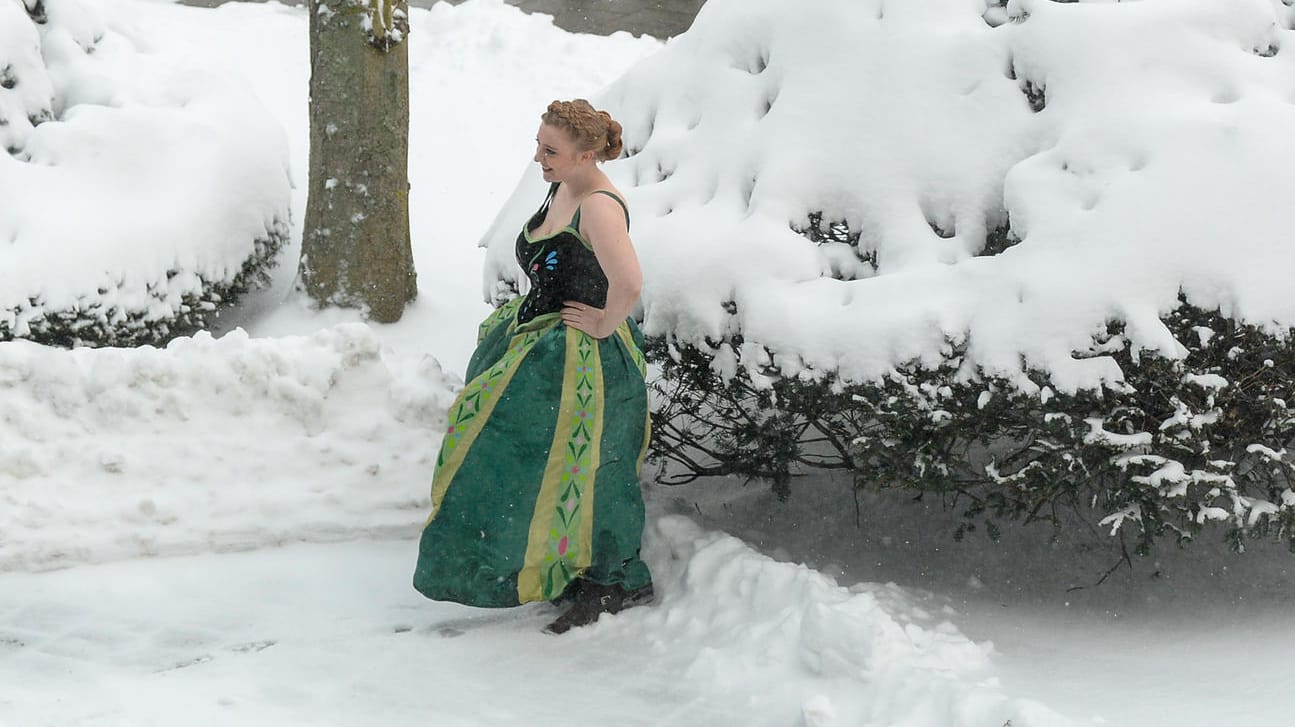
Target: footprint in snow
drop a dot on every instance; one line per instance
(250, 647)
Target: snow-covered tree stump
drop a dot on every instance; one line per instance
(356, 250)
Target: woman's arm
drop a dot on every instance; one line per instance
(602, 222)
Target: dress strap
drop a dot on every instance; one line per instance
(575, 219)
(553, 189)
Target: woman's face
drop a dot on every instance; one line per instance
(557, 154)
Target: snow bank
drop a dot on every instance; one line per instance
(1135, 149)
(782, 644)
(212, 444)
(166, 184)
(234, 443)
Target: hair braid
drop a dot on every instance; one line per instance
(592, 129)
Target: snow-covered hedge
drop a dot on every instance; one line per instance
(968, 194)
(1184, 444)
(167, 186)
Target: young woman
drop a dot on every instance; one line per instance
(536, 492)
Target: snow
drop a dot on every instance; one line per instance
(1183, 637)
(222, 531)
(174, 170)
(183, 445)
(455, 185)
(334, 636)
(1156, 164)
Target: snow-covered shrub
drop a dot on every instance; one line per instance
(137, 196)
(880, 212)
(1181, 443)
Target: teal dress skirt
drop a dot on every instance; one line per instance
(537, 480)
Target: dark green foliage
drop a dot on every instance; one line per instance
(826, 233)
(820, 231)
(838, 233)
(711, 427)
(1035, 94)
(97, 322)
(999, 239)
(1185, 443)
(36, 11)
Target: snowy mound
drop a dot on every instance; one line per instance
(212, 444)
(854, 186)
(781, 644)
(167, 185)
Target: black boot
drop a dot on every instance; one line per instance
(593, 600)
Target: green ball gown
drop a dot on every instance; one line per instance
(537, 480)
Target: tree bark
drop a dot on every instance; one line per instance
(355, 249)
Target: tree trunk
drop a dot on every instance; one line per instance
(355, 248)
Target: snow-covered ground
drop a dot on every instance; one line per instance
(1185, 637)
(222, 532)
(333, 635)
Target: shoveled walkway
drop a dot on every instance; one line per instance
(658, 18)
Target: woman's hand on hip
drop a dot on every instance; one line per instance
(586, 318)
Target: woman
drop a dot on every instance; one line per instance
(536, 492)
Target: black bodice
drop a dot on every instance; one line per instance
(561, 267)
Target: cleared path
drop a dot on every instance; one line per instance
(658, 18)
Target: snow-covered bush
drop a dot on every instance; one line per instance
(982, 240)
(136, 195)
(1185, 442)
